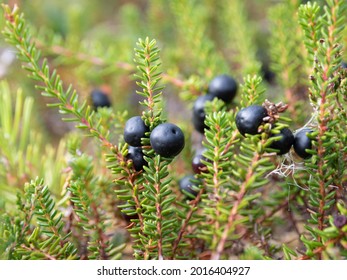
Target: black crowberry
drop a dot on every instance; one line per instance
(340, 221)
(250, 118)
(199, 112)
(284, 144)
(167, 140)
(344, 64)
(136, 155)
(134, 130)
(189, 184)
(197, 165)
(99, 99)
(267, 74)
(223, 87)
(302, 142)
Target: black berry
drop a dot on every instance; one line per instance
(340, 221)
(284, 144)
(167, 140)
(267, 74)
(344, 64)
(250, 118)
(223, 87)
(129, 214)
(199, 112)
(99, 99)
(136, 155)
(189, 184)
(134, 130)
(197, 165)
(302, 142)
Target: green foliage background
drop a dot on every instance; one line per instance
(62, 193)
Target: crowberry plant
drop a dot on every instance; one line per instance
(82, 179)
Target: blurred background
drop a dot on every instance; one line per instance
(91, 44)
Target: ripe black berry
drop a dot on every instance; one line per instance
(250, 118)
(223, 87)
(197, 164)
(136, 155)
(134, 130)
(188, 183)
(284, 144)
(199, 112)
(302, 142)
(267, 74)
(99, 99)
(340, 221)
(167, 140)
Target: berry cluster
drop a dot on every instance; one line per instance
(166, 139)
(250, 119)
(222, 87)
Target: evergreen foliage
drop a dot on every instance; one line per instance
(78, 196)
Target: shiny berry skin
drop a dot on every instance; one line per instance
(199, 112)
(197, 165)
(167, 140)
(223, 87)
(250, 118)
(99, 99)
(134, 130)
(187, 183)
(302, 142)
(284, 144)
(136, 155)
